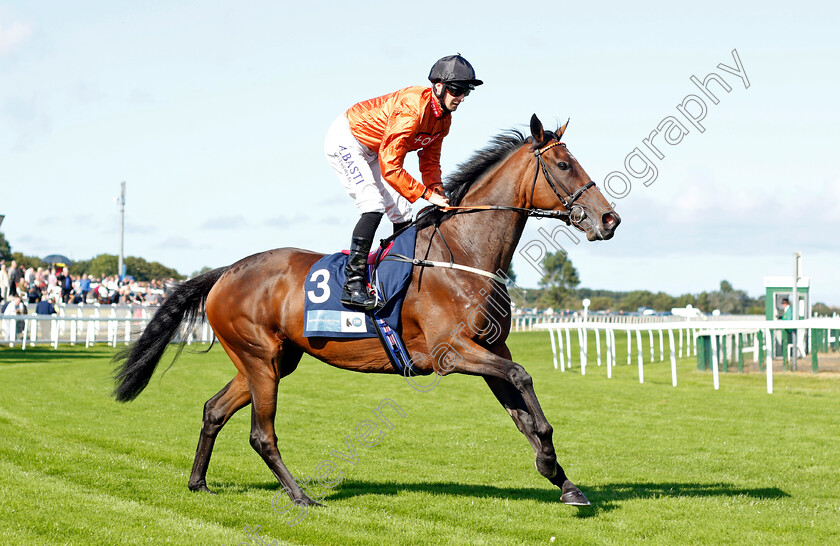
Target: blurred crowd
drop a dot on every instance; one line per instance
(56, 285)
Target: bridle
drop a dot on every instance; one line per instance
(571, 208)
(572, 213)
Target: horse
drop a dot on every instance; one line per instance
(452, 321)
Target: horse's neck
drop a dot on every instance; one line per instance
(488, 239)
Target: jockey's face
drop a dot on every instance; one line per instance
(450, 101)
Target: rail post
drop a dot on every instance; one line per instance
(724, 361)
(760, 337)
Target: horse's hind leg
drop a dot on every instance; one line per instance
(262, 374)
(233, 397)
(263, 437)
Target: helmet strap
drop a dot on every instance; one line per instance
(440, 96)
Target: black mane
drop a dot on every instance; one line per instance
(458, 183)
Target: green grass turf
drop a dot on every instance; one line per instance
(660, 464)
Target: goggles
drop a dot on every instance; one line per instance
(457, 90)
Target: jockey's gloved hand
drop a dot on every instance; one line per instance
(435, 196)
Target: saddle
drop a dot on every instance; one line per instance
(326, 316)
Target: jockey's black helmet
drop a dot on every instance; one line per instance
(454, 69)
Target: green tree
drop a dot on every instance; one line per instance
(139, 268)
(601, 303)
(79, 267)
(559, 279)
(5, 248)
(26, 262)
(636, 299)
(703, 302)
(103, 265)
(728, 300)
(824, 310)
(511, 273)
(201, 271)
(142, 270)
(663, 302)
(685, 300)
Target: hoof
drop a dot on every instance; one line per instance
(572, 495)
(574, 498)
(306, 501)
(201, 487)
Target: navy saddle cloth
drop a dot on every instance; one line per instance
(326, 316)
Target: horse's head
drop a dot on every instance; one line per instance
(560, 183)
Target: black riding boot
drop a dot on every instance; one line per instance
(355, 292)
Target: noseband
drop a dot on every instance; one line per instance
(575, 212)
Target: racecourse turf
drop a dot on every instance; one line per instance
(661, 465)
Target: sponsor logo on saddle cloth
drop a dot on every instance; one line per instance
(325, 316)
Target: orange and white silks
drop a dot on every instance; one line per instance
(397, 123)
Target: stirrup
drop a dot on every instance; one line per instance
(355, 293)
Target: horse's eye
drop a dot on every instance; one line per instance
(563, 166)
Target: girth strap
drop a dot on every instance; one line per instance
(447, 265)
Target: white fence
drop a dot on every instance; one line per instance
(677, 331)
(526, 322)
(89, 325)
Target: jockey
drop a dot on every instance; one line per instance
(366, 147)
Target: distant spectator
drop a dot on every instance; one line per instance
(4, 283)
(45, 307)
(52, 279)
(787, 314)
(15, 278)
(66, 287)
(102, 294)
(15, 307)
(34, 295)
(787, 310)
(29, 276)
(84, 286)
(60, 276)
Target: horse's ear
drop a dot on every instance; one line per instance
(537, 129)
(562, 130)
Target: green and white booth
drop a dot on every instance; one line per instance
(778, 288)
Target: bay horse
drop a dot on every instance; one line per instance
(255, 306)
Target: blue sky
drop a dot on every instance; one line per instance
(214, 114)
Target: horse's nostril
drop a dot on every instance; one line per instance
(610, 221)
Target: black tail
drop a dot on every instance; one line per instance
(185, 304)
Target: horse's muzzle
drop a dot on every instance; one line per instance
(609, 221)
(603, 230)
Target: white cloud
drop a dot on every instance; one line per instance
(85, 93)
(225, 222)
(27, 117)
(12, 36)
(141, 229)
(177, 243)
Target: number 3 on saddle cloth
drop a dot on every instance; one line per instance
(326, 316)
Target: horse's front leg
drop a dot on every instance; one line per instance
(539, 432)
(514, 388)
